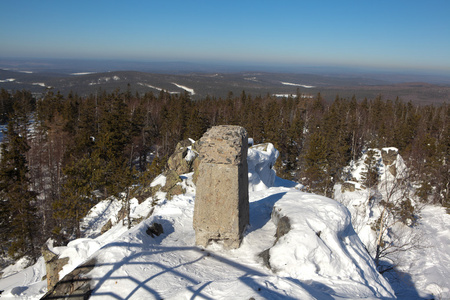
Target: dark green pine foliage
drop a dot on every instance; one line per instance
(86, 128)
(17, 212)
(6, 106)
(116, 168)
(315, 166)
(81, 180)
(107, 152)
(141, 140)
(337, 140)
(197, 125)
(24, 104)
(99, 168)
(370, 176)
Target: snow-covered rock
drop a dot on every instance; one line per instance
(261, 159)
(322, 247)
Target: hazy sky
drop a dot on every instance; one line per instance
(393, 34)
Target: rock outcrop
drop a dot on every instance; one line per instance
(283, 227)
(75, 285)
(182, 161)
(348, 187)
(183, 157)
(221, 210)
(53, 265)
(389, 156)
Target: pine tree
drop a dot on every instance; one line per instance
(371, 175)
(17, 211)
(6, 106)
(315, 166)
(82, 179)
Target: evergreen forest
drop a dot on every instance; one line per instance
(60, 155)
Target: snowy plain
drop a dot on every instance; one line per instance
(321, 257)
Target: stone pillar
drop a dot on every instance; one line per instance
(221, 210)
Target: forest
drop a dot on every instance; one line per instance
(60, 155)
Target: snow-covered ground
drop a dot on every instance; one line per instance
(156, 88)
(297, 84)
(321, 257)
(7, 80)
(423, 271)
(39, 84)
(426, 271)
(189, 90)
(82, 73)
(283, 95)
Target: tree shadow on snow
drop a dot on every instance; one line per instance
(158, 262)
(181, 270)
(402, 283)
(191, 281)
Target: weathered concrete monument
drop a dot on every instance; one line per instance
(221, 210)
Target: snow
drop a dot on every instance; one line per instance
(154, 87)
(190, 155)
(429, 267)
(261, 159)
(104, 80)
(322, 247)
(296, 84)
(320, 257)
(8, 80)
(40, 84)
(82, 73)
(77, 251)
(421, 272)
(303, 96)
(92, 224)
(189, 90)
(159, 180)
(283, 95)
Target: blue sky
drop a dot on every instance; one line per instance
(393, 34)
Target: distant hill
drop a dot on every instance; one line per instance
(201, 85)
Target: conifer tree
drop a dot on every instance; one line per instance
(6, 106)
(370, 175)
(314, 173)
(17, 211)
(82, 178)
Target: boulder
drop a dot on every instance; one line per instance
(389, 155)
(75, 285)
(172, 179)
(53, 265)
(283, 227)
(106, 227)
(393, 170)
(182, 158)
(155, 229)
(172, 186)
(221, 210)
(348, 187)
